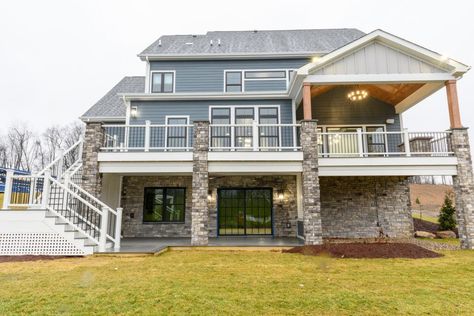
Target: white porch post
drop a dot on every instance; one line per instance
(104, 222)
(118, 228)
(8, 189)
(46, 189)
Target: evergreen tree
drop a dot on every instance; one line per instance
(446, 215)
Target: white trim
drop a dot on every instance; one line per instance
(147, 76)
(146, 167)
(255, 156)
(150, 84)
(94, 119)
(422, 93)
(157, 57)
(243, 71)
(378, 78)
(205, 96)
(255, 167)
(144, 157)
(185, 126)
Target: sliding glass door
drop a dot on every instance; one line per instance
(245, 212)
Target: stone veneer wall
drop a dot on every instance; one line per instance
(133, 193)
(311, 194)
(362, 207)
(134, 189)
(93, 141)
(463, 184)
(285, 213)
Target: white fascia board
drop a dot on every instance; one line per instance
(352, 171)
(147, 167)
(422, 93)
(454, 67)
(204, 96)
(144, 156)
(378, 78)
(388, 161)
(254, 167)
(158, 57)
(256, 156)
(87, 119)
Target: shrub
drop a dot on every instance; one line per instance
(446, 214)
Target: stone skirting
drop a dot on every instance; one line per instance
(364, 207)
(93, 141)
(463, 184)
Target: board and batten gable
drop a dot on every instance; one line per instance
(377, 58)
(333, 108)
(208, 75)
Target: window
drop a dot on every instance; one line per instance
(268, 135)
(177, 135)
(162, 82)
(164, 205)
(265, 74)
(243, 134)
(375, 139)
(233, 81)
(220, 135)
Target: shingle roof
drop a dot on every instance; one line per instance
(254, 42)
(111, 105)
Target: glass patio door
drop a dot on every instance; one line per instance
(245, 212)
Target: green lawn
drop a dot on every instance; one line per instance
(424, 217)
(200, 282)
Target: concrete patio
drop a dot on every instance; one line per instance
(152, 245)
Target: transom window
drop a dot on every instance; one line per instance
(164, 205)
(162, 82)
(265, 74)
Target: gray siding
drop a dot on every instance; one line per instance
(265, 85)
(156, 111)
(333, 108)
(208, 75)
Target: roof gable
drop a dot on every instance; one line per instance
(380, 52)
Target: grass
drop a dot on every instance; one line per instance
(424, 217)
(451, 241)
(199, 282)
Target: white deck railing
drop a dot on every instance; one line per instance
(254, 137)
(384, 144)
(148, 137)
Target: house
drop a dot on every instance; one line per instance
(292, 133)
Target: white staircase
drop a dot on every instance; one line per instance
(64, 213)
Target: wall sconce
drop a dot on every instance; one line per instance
(133, 111)
(209, 195)
(281, 195)
(390, 121)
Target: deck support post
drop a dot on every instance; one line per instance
(8, 189)
(463, 184)
(307, 102)
(200, 185)
(453, 104)
(313, 234)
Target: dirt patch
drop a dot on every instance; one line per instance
(366, 250)
(426, 226)
(30, 258)
(431, 197)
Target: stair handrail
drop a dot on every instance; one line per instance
(111, 210)
(61, 157)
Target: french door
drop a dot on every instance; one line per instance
(245, 212)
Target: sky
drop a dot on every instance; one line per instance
(57, 58)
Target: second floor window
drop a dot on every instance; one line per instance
(162, 82)
(233, 81)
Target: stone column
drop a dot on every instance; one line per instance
(311, 196)
(200, 208)
(464, 187)
(93, 141)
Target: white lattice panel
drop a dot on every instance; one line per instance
(49, 244)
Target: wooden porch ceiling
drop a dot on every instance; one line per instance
(388, 93)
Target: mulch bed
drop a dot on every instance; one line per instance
(29, 258)
(366, 250)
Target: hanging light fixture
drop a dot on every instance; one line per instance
(357, 94)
